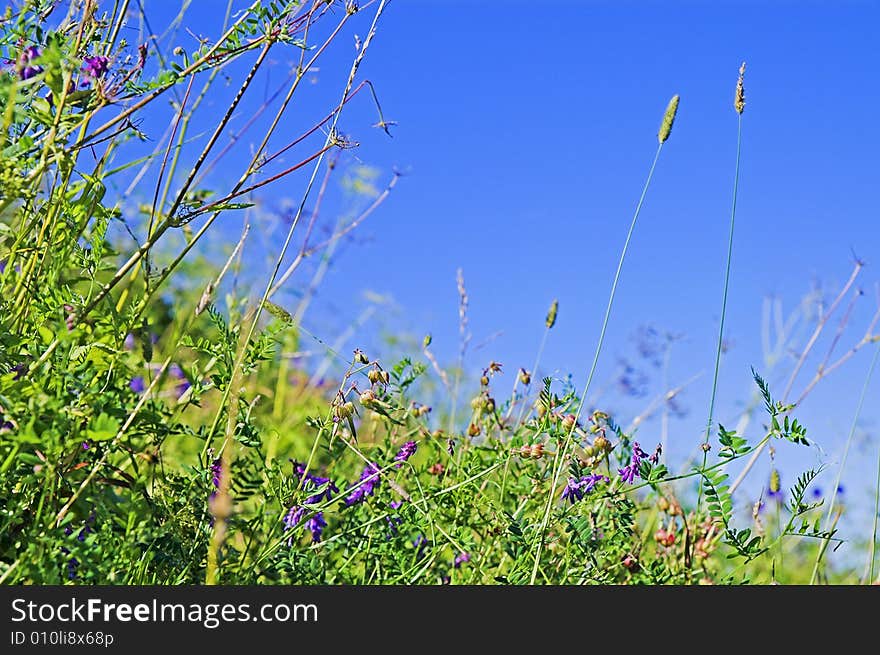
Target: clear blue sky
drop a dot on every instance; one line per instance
(526, 130)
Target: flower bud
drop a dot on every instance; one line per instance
(601, 444)
(524, 376)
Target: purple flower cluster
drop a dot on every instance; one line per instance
(631, 471)
(27, 71)
(73, 563)
(577, 488)
(406, 451)
(137, 384)
(95, 67)
(365, 486)
(315, 524)
(312, 483)
(460, 559)
(394, 521)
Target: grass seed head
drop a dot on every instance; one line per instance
(668, 119)
(739, 102)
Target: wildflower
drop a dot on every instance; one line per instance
(629, 473)
(460, 559)
(215, 472)
(365, 486)
(95, 67)
(394, 521)
(406, 451)
(292, 518)
(72, 566)
(129, 341)
(137, 384)
(577, 488)
(27, 71)
(86, 445)
(316, 526)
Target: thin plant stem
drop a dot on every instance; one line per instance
(720, 345)
(562, 452)
(849, 440)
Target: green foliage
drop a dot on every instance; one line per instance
(154, 430)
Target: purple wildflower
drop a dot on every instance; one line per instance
(393, 521)
(216, 467)
(576, 489)
(460, 559)
(629, 473)
(137, 384)
(406, 451)
(313, 482)
(86, 445)
(72, 566)
(316, 526)
(95, 67)
(129, 341)
(27, 71)
(366, 485)
(292, 518)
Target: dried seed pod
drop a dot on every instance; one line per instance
(473, 430)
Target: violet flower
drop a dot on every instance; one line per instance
(27, 56)
(406, 451)
(95, 67)
(577, 488)
(366, 485)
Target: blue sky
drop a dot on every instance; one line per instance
(526, 131)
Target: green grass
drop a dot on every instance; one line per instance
(156, 426)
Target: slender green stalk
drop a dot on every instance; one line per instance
(559, 457)
(852, 431)
(873, 546)
(720, 345)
